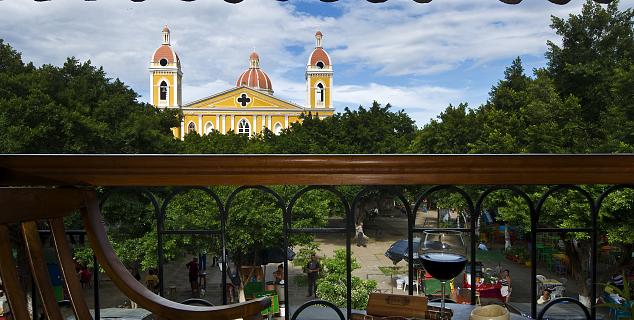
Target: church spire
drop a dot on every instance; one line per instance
(319, 77)
(318, 36)
(254, 60)
(166, 35)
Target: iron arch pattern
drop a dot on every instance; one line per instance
(318, 303)
(345, 231)
(394, 192)
(163, 231)
(159, 225)
(532, 212)
(475, 209)
(412, 229)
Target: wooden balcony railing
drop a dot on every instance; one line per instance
(206, 170)
(34, 187)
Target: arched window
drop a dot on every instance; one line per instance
(320, 64)
(191, 128)
(209, 128)
(277, 128)
(163, 91)
(244, 127)
(321, 92)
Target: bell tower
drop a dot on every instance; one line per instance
(165, 75)
(319, 78)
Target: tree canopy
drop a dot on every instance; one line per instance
(75, 109)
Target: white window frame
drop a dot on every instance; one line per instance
(164, 102)
(189, 125)
(244, 129)
(318, 94)
(209, 127)
(277, 131)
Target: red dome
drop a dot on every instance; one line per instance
(165, 52)
(255, 78)
(317, 55)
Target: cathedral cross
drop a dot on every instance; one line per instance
(244, 100)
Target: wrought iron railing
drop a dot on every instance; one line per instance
(563, 172)
(475, 206)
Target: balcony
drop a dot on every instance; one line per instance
(397, 197)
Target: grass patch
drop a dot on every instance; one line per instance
(393, 270)
(490, 257)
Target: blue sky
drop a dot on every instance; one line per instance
(418, 57)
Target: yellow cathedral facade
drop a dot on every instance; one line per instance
(250, 106)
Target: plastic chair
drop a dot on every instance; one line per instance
(415, 284)
(614, 313)
(620, 314)
(540, 251)
(559, 292)
(547, 252)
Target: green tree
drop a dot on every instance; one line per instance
(452, 132)
(331, 286)
(374, 130)
(229, 143)
(595, 63)
(75, 109)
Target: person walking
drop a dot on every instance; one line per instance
(193, 269)
(203, 260)
(360, 235)
(85, 277)
(506, 288)
(312, 268)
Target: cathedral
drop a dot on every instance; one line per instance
(247, 108)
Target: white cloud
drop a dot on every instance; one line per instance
(213, 38)
(404, 38)
(202, 90)
(420, 102)
(401, 39)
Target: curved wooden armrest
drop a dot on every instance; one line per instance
(136, 291)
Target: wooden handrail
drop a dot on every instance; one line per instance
(205, 170)
(27, 206)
